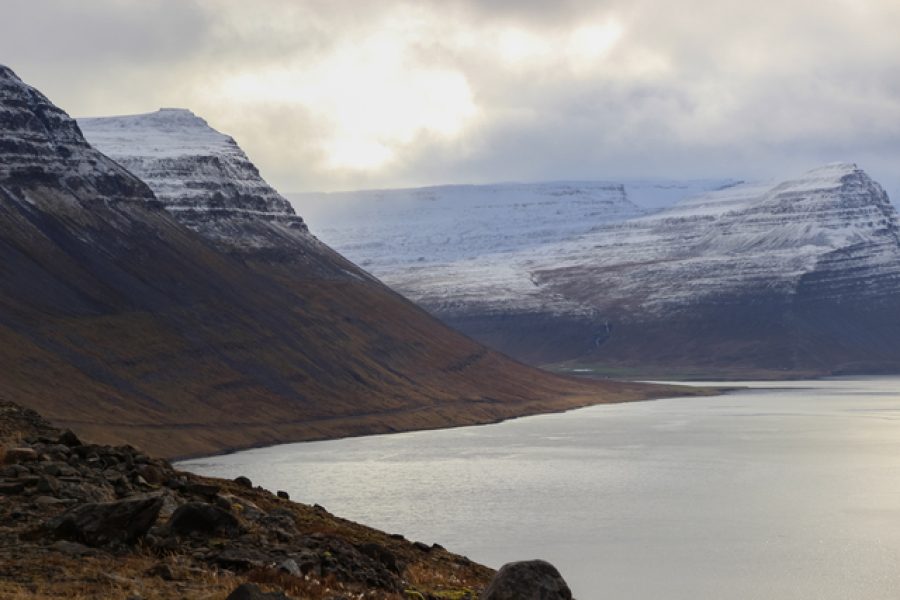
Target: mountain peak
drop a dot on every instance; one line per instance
(7, 73)
(201, 175)
(40, 142)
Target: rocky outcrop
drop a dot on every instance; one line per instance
(102, 523)
(72, 500)
(527, 580)
(41, 145)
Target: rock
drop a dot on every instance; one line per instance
(11, 488)
(161, 570)
(204, 490)
(48, 485)
(68, 438)
(527, 580)
(421, 546)
(290, 567)
(240, 559)
(51, 501)
(100, 523)
(250, 591)
(244, 482)
(151, 473)
(72, 548)
(283, 494)
(382, 555)
(20, 455)
(203, 518)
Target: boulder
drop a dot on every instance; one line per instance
(101, 523)
(243, 482)
(204, 490)
(203, 518)
(68, 438)
(250, 591)
(20, 455)
(527, 580)
(11, 488)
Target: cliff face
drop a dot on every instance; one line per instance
(799, 276)
(122, 323)
(207, 183)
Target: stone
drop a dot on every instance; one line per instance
(205, 490)
(72, 548)
(101, 523)
(527, 580)
(382, 555)
(20, 455)
(283, 494)
(240, 559)
(290, 567)
(161, 570)
(48, 485)
(251, 591)
(244, 482)
(151, 473)
(68, 438)
(203, 518)
(51, 501)
(11, 488)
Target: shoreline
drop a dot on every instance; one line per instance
(689, 392)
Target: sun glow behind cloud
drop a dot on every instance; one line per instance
(578, 48)
(342, 94)
(375, 95)
(372, 97)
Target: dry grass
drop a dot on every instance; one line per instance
(59, 577)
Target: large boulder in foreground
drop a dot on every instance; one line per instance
(101, 523)
(527, 580)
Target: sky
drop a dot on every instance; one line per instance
(348, 94)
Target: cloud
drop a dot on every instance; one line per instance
(331, 94)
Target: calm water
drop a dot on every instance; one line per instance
(788, 490)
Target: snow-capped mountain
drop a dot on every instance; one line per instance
(63, 158)
(205, 180)
(384, 230)
(744, 276)
(123, 323)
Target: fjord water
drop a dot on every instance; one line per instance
(786, 490)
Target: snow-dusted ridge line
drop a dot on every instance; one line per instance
(463, 254)
(40, 138)
(202, 177)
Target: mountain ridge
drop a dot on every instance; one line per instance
(734, 272)
(123, 323)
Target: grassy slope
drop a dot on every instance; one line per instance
(118, 322)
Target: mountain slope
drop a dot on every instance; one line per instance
(122, 323)
(801, 276)
(441, 245)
